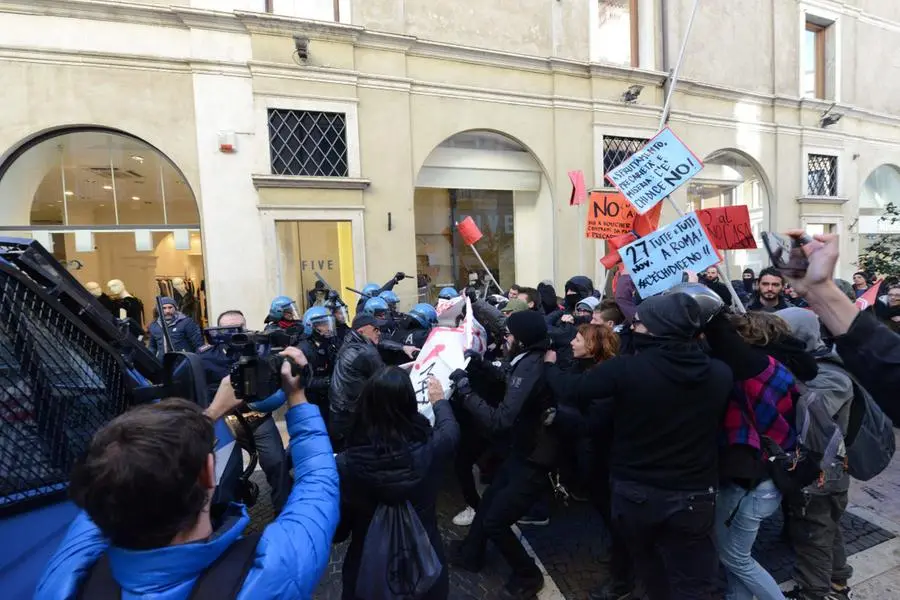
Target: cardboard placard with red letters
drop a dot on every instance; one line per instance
(728, 227)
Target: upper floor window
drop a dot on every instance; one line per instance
(618, 149)
(309, 143)
(319, 10)
(818, 56)
(821, 175)
(617, 32)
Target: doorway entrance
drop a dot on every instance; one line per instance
(308, 250)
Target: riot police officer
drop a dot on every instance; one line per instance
(392, 300)
(283, 315)
(320, 350)
(217, 359)
(414, 329)
(371, 290)
(392, 352)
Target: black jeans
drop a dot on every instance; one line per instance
(272, 459)
(471, 447)
(670, 537)
(816, 535)
(514, 490)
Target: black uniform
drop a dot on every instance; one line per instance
(321, 352)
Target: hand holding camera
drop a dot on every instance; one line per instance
(293, 368)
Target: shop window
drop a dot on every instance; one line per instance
(308, 143)
(617, 32)
(819, 58)
(618, 149)
(821, 175)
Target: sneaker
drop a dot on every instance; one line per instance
(838, 592)
(519, 588)
(465, 517)
(800, 594)
(460, 560)
(534, 521)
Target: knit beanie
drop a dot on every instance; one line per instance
(590, 304)
(528, 327)
(168, 300)
(674, 316)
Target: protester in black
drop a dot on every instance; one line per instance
(522, 479)
(667, 404)
(393, 456)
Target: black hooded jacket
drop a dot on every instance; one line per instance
(372, 475)
(667, 404)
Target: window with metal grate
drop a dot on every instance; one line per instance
(308, 143)
(821, 175)
(617, 149)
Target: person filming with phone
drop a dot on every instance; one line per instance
(145, 488)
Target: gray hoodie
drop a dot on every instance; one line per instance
(832, 383)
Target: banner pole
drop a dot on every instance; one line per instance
(735, 301)
(667, 107)
(486, 270)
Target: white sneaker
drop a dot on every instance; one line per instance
(465, 517)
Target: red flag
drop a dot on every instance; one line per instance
(469, 231)
(647, 223)
(579, 192)
(870, 297)
(612, 257)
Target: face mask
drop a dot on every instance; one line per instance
(572, 301)
(642, 341)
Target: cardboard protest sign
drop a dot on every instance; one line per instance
(658, 261)
(579, 191)
(655, 171)
(609, 215)
(469, 231)
(728, 227)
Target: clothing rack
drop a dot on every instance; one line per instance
(167, 288)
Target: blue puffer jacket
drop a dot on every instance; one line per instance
(290, 557)
(184, 333)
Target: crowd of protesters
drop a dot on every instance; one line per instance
(684, 420)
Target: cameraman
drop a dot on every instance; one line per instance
(145, 487)
(217, 360)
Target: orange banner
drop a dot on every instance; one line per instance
(609, 215)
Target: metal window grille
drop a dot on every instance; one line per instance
(821, 175)
(308, 143)
(58, 386)
(617, 150)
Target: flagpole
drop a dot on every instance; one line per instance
(667, 107)
(486, 270)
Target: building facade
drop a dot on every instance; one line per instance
(249, 146)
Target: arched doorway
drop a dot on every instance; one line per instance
(109, 207)
(881, 187)
(498, 182)
(729, 178)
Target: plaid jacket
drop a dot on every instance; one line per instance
(769, 399)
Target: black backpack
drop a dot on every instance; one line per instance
(221, 581)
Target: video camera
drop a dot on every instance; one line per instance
(256, 374)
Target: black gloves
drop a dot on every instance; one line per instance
(460, 380)
(472, 294)
(475, 360)
(400, 276)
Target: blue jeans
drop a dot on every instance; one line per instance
(746, 578)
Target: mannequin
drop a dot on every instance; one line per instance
(125, 303)
(97, 292)
(187, 304)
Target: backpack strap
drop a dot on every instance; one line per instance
(222, 580)
(225, 577)
(100, 584)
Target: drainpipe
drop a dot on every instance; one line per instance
(664, 26)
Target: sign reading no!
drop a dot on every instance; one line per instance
(659, 168)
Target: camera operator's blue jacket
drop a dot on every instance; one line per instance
(290, 557)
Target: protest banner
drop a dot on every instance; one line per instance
(649, 175)
(728, 227)
(609, 215)
(444, 352)
(579, 190)
(657, 262)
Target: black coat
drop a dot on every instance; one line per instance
(357, 361)
(871, 352)
(370, 477)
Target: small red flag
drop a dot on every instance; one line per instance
(612, 257)
(870, 297)
(469, 231)
(647, 223)
(579, 190)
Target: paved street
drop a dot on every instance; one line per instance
(571, 548)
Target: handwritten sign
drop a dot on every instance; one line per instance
(728, 227)
(655, 171)
(579, 192)
(609, 215)
(657, 262)
(444, 352)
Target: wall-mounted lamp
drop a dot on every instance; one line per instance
(631, 95)
(829, 118)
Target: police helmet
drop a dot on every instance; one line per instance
(371, 290)
(318, 320)
(377, 307)
(391, 298)
(280, 306)
(424, 315)
(448, 293)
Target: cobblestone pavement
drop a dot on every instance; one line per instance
(571, 548)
